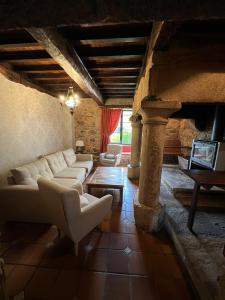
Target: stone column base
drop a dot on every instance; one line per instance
(148, 218)
(133, 172)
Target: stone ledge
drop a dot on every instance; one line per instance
(200, 253)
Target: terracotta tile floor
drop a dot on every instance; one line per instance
(119, 263)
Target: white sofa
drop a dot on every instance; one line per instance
(21, 201)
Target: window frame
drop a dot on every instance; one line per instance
(121, 129)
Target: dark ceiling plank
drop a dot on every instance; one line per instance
(113, 64)
(44, 77)
(106, 32)
(112, 72)
(16, 56)
(68, 59)
(39, 68)
(120, 88)
(107, 42)
(116, 85)
(53, 80)
(114, 58)
(116, 79)
(121, 68)
(110, 51)
(22, 14)
(118, 96)
(15, 37)
(22, 79)
(118, 91)
(20, 47)
(29, 62)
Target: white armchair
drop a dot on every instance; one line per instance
(73, 214)
(113, 155)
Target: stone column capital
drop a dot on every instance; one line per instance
(135, 120)
(158, 111)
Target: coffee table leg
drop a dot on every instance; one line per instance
(193, 206)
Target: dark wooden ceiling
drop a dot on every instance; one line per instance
(20, 52)
(112, 54)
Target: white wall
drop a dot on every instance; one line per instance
(31, 124)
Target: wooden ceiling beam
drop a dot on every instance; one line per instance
(63, 53)
(20, 14)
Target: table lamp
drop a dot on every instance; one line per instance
(79, 146)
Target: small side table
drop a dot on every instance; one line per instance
(207, 179)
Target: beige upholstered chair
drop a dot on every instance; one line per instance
(73, 214)
(113, 155)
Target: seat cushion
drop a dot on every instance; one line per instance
(70, 183)
(56, 162)
(69, 156)
(83, 164)
(28, 174)
(83, 201)
(77, 173)
(90, 198)
(110, 156)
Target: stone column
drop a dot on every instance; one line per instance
(148, 211)
(134, 166)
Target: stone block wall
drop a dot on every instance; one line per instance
(87, 125)
(185, 131)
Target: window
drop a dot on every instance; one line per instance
(122, 134)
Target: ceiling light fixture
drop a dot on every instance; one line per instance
(71, 99)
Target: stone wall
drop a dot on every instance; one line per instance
(185, 131)
(31, 124)
(87, 123)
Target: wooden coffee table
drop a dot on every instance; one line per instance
(107, 177)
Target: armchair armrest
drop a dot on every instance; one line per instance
(118, 159)
(84, 157)
(102, 155)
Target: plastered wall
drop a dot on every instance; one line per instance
(31, 124)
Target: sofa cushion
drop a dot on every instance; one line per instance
(110, 156)
(83, 164)
(78, 173)
(83, 201)
(70, 183)
(56, 162)
(28, 174)
(69, 156)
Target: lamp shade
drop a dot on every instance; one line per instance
(79, 143)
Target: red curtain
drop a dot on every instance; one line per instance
(109, 122)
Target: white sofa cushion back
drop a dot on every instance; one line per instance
(56, 162)
(29, 173)
(70, 156)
